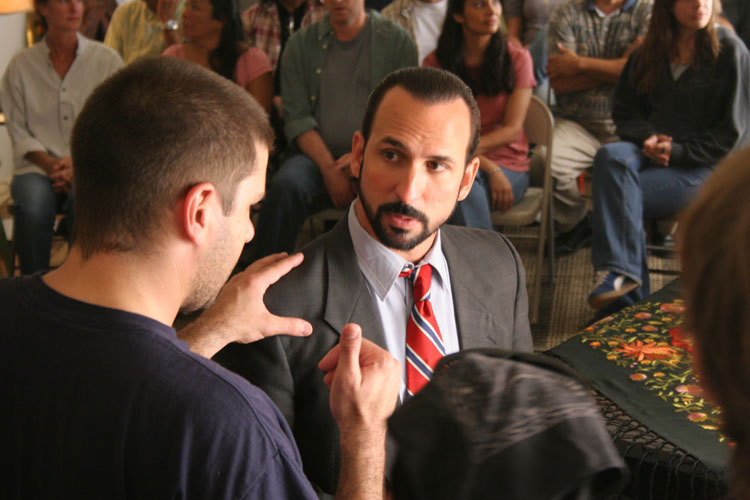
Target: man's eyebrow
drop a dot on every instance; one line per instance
(398, 144)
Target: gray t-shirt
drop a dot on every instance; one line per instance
(344, 88)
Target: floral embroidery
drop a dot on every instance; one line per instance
(649, 342)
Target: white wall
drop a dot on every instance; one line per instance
(12, 39)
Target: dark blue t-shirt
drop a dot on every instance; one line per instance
(102, 403)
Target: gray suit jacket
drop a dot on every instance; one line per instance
(329, 290)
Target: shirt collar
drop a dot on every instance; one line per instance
(380, 265)
(628, 5)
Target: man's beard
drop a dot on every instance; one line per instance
(394, 237)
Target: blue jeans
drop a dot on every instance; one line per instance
(474, 210)
(626, 188)
(294, 192)
(34, 221)
(538, 51)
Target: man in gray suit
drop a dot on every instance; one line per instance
(414, 158)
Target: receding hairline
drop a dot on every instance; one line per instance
(427, 101)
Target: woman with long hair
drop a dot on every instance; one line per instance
(214, 31)
(681, 105)
(500, 74)
(42, 91)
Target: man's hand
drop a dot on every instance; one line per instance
(338, 183)
(239, 313)
(562, 65)
(165, 10)
(502, 191)
(364, 381)
(62, 175)
(657, 148)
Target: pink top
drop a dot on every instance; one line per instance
(251, 64)
(513, 156)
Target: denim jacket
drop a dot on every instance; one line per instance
(304, 57)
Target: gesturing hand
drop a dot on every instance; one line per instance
(239, 313)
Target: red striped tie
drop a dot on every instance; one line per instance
(424, 344)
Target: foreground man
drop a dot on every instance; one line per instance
(100, 398)
(414, 159)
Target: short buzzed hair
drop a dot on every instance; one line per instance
(429, 85)
(146, 136)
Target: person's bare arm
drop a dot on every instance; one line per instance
(43, 159)
(513, 118)
(364, 380)
(261, 88)
(570, 72)
(337, 180)
(165, 11)
(239, 313)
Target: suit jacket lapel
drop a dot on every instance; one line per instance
(475, 320)
(348, 300)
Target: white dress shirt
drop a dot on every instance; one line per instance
(393, 296)
(40, 108)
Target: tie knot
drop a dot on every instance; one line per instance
(421, 278)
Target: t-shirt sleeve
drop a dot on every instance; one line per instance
(251, 64)
(523, 67)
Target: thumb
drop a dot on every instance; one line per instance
(349, 346)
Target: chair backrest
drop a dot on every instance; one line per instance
(538, 123)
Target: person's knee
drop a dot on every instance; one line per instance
(616, 156)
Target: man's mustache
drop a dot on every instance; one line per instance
(401, 208)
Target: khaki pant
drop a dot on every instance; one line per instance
(573, 152)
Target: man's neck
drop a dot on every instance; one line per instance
(120, 280)
(62, 44)
(414, 255)
(608, 6)
(347, 31)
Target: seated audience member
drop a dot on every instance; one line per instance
(414, 158)
(737, 12)
(497, 424)
(499, 74)
(588, 43)
(328, 70)
(681, 105)
(96, 17)
(715, 236)
(527, 25)
(216, 42)
(42, 91)
(142, 28)
(268, 25)
(422, 19)
(100, 398)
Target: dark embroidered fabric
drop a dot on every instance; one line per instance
(640, 362)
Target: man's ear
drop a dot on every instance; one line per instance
(470, 172)
(200, 206)
(358, 153)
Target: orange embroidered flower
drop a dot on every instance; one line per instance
(693, 389)
(643, 351)
(595, 343)
(642, 315)
(672, 307)
(697, 417)
(638, 377)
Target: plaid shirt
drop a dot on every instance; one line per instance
(263, 29)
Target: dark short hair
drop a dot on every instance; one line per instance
(147, 135)
(714, 241)
(431, 86)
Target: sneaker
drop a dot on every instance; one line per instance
(611, 286)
